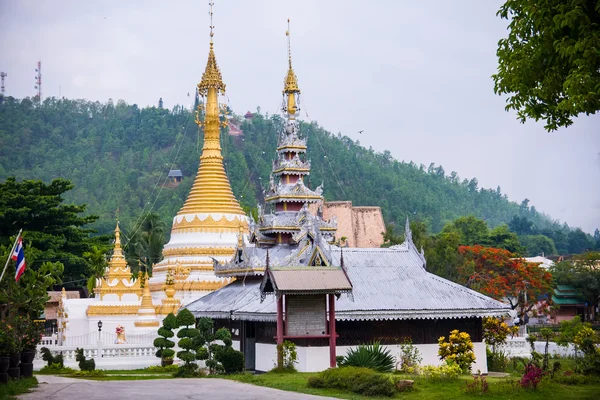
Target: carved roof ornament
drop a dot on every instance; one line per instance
(290, 89)
(211, 78)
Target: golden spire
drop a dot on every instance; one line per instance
(291, 82)
(211, 192)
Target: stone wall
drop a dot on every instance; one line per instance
(362, 226)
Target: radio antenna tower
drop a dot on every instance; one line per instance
(2, 88)
(38, 80)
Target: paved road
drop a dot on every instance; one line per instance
(53, 387)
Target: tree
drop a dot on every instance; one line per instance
(97, 264)
(538, 245)
(496, 273)
(471, 230)
(502, 238)
(584, 275)
(578, 241)
(54, 231)
(160, 103)
(549, 63)
(145, 243)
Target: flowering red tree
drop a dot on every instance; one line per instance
(494, 272)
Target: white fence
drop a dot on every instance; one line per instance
(93, 338)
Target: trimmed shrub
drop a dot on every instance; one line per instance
(372, 356)
(231, 360)
(447, 371)
(359, 380)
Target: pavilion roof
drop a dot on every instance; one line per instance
(387, 283)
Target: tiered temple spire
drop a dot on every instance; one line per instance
(208, 224)
(211, 191)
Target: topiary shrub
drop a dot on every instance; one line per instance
(372, 356)
(165, 346)
(364, 381)
(186, 342)
(219, 358)
(231, 360)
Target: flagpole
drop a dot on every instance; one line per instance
(10, 254)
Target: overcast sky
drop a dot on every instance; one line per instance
(414, 76)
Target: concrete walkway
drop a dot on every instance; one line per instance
(53, 387)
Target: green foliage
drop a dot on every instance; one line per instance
(549, 64)
(409, 358)
(583, 275)
(165, 345)
(287, 356)
(118, 156)
(145, 242)
(54, 361)
(447, 371)
(359, 380)
(160, 368)
(187, 343)
(52, 230)
(457, 350)
(372, 356)
(538, 244)
(231, 360)
(88, 373)
(84, 365)
(15, 387)
(56, 369)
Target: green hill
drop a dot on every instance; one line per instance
(118, 156)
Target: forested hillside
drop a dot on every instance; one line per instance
(118, 156)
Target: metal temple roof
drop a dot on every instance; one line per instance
(386, 284)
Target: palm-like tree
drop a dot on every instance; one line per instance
(145, 243)
(97, 263)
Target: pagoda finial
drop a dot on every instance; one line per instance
(407, 231)
(291, 88)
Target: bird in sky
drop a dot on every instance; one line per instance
(360, 131)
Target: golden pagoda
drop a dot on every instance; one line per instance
(117, 281)
(207, 225)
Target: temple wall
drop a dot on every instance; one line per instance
(368, 226)
(314, 359)
(362, 226)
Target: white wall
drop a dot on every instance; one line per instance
(313, 359)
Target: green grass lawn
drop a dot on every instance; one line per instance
(499, 388)
(15, 387)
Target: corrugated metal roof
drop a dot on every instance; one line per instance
(310, 280)
(386, 284)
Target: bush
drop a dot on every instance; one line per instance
(532, 377)
(458, 349)
(287, 356)
(372, 356)
(231, 360)
(478, 386)
(409, 358)
(496, 361)
(56, 369)
(447, 371)
(160, 368)
(359, 380)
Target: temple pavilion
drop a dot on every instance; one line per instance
(292, 282)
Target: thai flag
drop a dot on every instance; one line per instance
(19, 256)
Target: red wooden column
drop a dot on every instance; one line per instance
(332, 334)
(279, 331)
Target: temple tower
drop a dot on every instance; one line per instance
(208, 224)
(287, 193)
